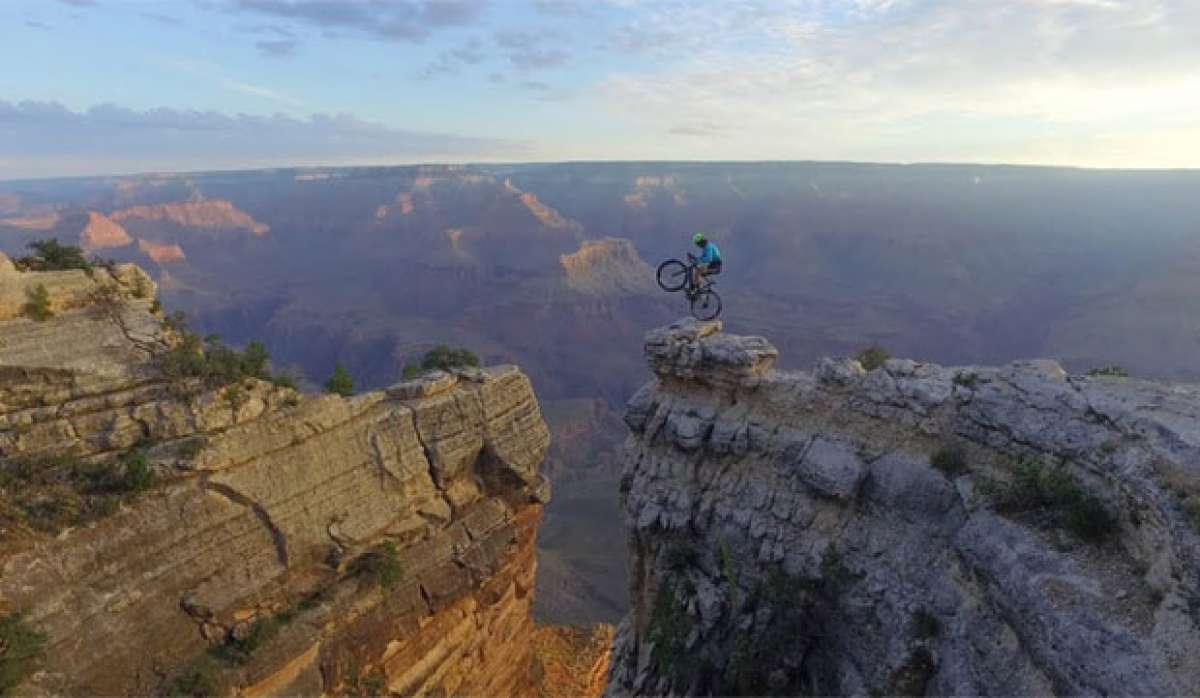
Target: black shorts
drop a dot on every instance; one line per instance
(714, 267)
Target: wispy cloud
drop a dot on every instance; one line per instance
(36, 136)
(276, 48)
(394, 20)
(533, 48)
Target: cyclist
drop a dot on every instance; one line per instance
(709, 262)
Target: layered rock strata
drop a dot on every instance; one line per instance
(788, 533)
(294, 545)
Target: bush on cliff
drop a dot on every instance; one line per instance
(872, 357)
(380, 565)
(1053, 497)
(212, 361)
(441, 358)
(340, 383)
(21, 649)
(1108, 372)
(37, 307)
(49, 255)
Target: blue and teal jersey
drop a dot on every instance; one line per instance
(711, 254)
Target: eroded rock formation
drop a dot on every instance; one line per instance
(292, 544)
(790, 533)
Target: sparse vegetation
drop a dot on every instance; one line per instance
(728, 569)
(1108, 372)
(239, 649)
(212, 361)
(1054, 498)
(51, 493)
(21, 649)
(196, 681)
(950, 459)
(678, 557)
(49, 255)
(966, 379)
(1191, 507)
(37, 305)
(769, 661)
(380, 565)
(835, 575)
(872, 357)
(235, 397)
(340, 383)
(191, 448)
(441, 358)
(926, 625)
(371, 685)
(668, 631)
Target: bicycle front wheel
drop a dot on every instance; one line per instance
(706, 305)
(672, 275)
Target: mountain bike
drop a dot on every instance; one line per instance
(674, 275)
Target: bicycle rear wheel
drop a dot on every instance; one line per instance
(706, 305)
(672, 275)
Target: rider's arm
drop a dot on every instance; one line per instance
(707, 257)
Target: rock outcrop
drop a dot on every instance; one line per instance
(291, 544)
(913, 529)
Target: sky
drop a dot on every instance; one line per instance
(121, 86)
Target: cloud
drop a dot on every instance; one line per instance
(394, 20)
(276, 48)
(808, 78)
(452, 61)
(34, 24)
(47, 138)
(162, 19)
(529, 49)
(79, 3)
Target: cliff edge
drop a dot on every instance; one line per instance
(913, 529)
(180, 535)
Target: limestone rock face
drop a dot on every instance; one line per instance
(788, 533)
(386, 540)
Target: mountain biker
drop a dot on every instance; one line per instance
(709, 261)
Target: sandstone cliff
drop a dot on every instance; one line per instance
(913, 529)
(289, 544)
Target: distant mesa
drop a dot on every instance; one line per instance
(45, 221)
(160, 252)
(608, 266)
(545, 215)
(213, 215)
(101, 232)
(646, 186)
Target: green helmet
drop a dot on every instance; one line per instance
(699, 239)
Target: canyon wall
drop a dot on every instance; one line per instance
(175, 535)
(912, 529)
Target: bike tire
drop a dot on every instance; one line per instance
(706, 305)
(672, 275)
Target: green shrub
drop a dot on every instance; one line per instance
(1055, 494)
(235, 397)
(340, 383)
(37, 307)
(284, 380)
(1191, 507)
(212, 361)
(191, 448)
(951, 460)
(679, 557)
(872, 357)
(196, 681)
(49, 255)
(1108, 372)
(240, 650)
(926, 625)
(138, 476)
(441, 358)
(380, 565)
(966, 379)
(668, 630)
(21, 650)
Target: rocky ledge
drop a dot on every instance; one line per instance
(254, 540)
(912, 529)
